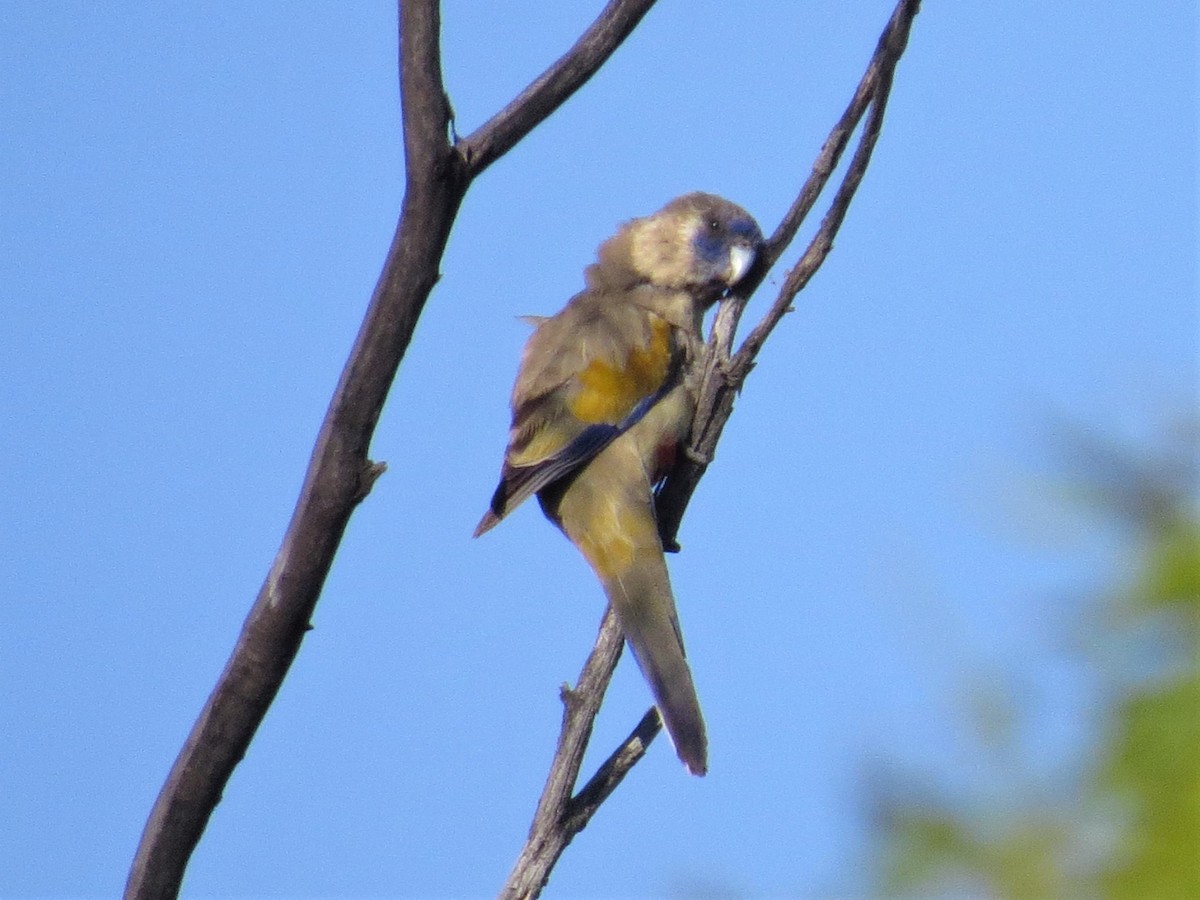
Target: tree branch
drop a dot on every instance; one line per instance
(724, 373)
(339, 474)
(550, 89)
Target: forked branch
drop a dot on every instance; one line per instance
(724, 372)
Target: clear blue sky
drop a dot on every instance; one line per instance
(194, 204)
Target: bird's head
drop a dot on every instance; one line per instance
(698, 242)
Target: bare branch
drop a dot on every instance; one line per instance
(724, 372)
(612, 772)
(339, 476)
(873, 92)
(567, 75)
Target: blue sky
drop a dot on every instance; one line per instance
(195, 204)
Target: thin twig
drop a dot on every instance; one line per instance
(612, 772)
(724, 372)
(567, 75)
(872, 95)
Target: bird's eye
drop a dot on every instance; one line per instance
(714, 225)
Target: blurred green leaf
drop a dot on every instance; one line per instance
(1172, 574)
(1131, 831)
(1155, 769)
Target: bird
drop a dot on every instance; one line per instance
(603, 400)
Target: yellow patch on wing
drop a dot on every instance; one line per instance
(608, 393)
(541, 445)
(614, 537)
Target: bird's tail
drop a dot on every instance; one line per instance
(641, 595)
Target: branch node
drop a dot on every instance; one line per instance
(724, 364)
(568, 695)
(366, 479)
(738, 370)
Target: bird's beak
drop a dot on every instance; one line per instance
(741, 257)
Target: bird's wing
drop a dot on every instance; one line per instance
(587, 376)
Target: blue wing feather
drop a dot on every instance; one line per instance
(519, 483)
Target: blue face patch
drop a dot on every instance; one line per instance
(711, 243)
(715, 237)
(745, 228)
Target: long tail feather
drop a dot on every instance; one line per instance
(646, 609)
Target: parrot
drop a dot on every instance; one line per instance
(604, 399)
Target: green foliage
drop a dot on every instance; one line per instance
(1155, 768)
(1131, 829)
(1172, 574)
(944, 851)
(1153, 764)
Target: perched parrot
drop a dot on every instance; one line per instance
(601, 404)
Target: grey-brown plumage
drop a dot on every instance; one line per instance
(600, 406)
